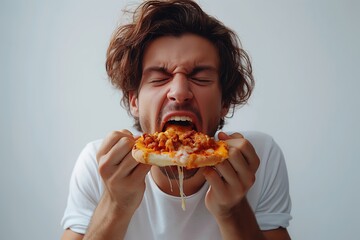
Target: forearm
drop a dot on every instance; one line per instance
(240, 225)
(108, 222)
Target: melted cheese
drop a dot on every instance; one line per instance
(181, 187)
(167, 175)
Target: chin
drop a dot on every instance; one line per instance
(172, 172)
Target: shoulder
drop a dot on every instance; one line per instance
(85, 189)
(262, 142)
(258, 138)
(87, 158)
(85, 176)
(265, 145)
(90, 149)
(254, 136)
(93, 146)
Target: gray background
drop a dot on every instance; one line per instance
(55, 98)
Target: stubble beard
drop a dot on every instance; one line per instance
(173, 174)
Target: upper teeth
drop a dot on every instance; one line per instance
(180, 118)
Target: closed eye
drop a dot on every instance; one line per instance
(159, 81)
(156, 76)
(204, 75)
(201, 81)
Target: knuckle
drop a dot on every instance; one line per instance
(125, 131)
(114, 135)
(98, 157)
(257, 162)
(245, 143)
(103, 166)
(251, 180)
(117, 134)
(126, 141)
(241, 143)
(237, 135)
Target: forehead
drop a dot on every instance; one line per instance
(186, 51)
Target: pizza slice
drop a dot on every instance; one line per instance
(179, 145)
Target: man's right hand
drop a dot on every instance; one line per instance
(124, 178)
(124, 181)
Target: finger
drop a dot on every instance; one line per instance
(242, 168)
(224, 136)
(250, 155)
(215, 180)
(125, 131)
(236, 135)
(126, 166)
(246, 150)
(109, 162)
(120, 150)
(228, 173)
(141, 170)
(111, 140)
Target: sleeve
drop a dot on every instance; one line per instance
(84, 191)
(274, 205)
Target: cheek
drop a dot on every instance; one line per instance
(210, 105)
(213, 111)
(147, 99)
(149, 108)
(144, 118)
(211, 101)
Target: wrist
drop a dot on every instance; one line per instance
(239, 223)
(113, 210)
(109, 221)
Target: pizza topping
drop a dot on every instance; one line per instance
(177, 138)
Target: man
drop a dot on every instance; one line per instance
(176, 61)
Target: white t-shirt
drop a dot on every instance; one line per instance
(160, 215)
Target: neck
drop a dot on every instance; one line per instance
(171, 186)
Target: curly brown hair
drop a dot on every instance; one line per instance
(153, 19)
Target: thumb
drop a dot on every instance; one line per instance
(224, 136)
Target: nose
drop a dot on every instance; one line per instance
(180, 90)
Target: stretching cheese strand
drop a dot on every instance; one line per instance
(171, 187)
(181, 187)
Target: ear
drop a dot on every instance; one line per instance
(134, 106)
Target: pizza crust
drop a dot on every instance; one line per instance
(181, 157)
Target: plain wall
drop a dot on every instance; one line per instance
(55, 97)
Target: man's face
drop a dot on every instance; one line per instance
(180, 78)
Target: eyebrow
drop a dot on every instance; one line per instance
(198, 69)
(194, 71)
(156, 69)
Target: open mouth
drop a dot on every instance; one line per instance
(180, 121)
